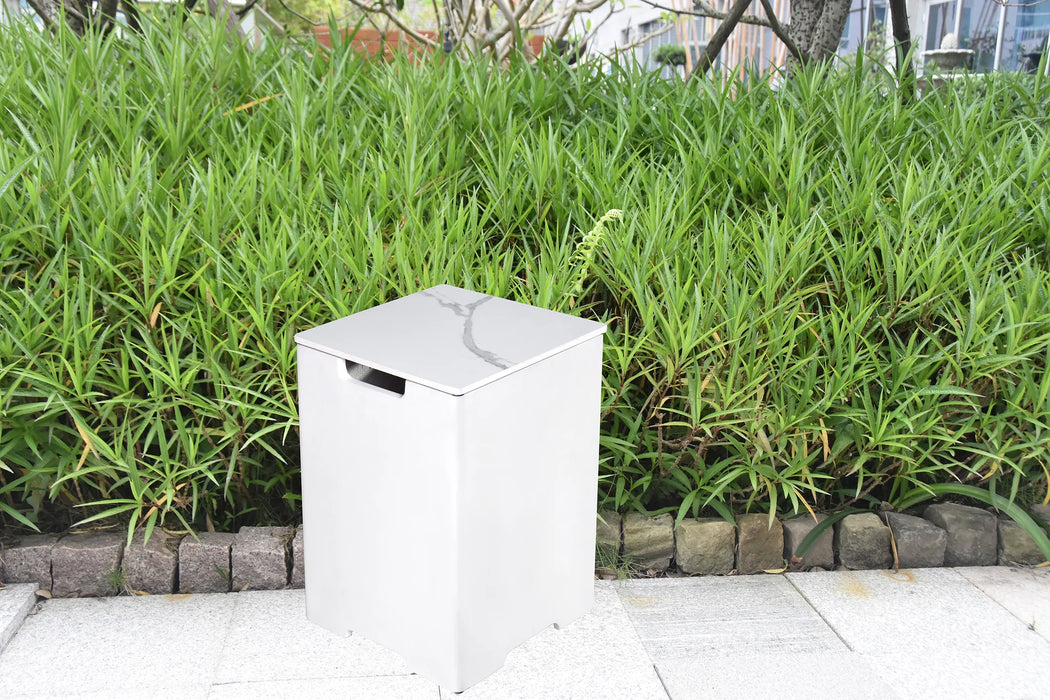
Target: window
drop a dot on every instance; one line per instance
(939, 21)
(647, 28)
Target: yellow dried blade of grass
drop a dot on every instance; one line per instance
(721, 349)
(798, 494)
(993, 470)
(800, 317)
(253, 103)
(824, 438)
(153, 316)
(817, 336)
(85, 437)
(83, 457)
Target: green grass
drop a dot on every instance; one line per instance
(816, 297)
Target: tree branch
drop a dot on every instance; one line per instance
(780, 30)
(45, 10)
(382, 10)
(708, 11)
(718, 39)
(247, 8)
(641, 40)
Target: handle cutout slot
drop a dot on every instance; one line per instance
(376, 378)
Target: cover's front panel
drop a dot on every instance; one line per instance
(379, 500)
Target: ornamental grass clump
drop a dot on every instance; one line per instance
(817, 297)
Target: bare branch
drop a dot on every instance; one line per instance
(780, 30)
(594, 29)
(641, 40)
(381, 11)
(708, 11)
(247, 8)
(508, 13)
(718, 39)
(45, 10)
(307, 20)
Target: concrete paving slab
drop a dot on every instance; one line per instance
(1024, 592)
(597, 656)
(16, 600)
(910, 612)
(117, 647)
(386, 687)
(271, 639)
(699, 618)
(158, 691)
(833, 675)
(1000, 671)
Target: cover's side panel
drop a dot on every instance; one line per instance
(528, 492)
(379, 475)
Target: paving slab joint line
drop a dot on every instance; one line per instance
(1030, 624)
(662, 683)
(14, 624)
(214, 671)
(819, 614)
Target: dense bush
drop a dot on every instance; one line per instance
(815, 295)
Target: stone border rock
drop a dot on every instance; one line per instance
(946, 534)
(270, 558)
(102, 564)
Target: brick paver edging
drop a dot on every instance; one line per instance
(268, 558)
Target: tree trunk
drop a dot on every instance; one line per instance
(805, 15)
(902, 44)
(829, 30)
(220, 9)
(131, 11)
(107, 15)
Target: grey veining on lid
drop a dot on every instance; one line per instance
(467, 312)
(450, 339)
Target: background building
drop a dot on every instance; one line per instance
(1017, 32)
(636, 30)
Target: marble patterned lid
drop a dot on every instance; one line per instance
(450, 339)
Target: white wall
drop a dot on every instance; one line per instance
(610, 22)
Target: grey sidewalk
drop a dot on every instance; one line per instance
(928, 633)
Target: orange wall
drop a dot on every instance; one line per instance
(372, 42)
